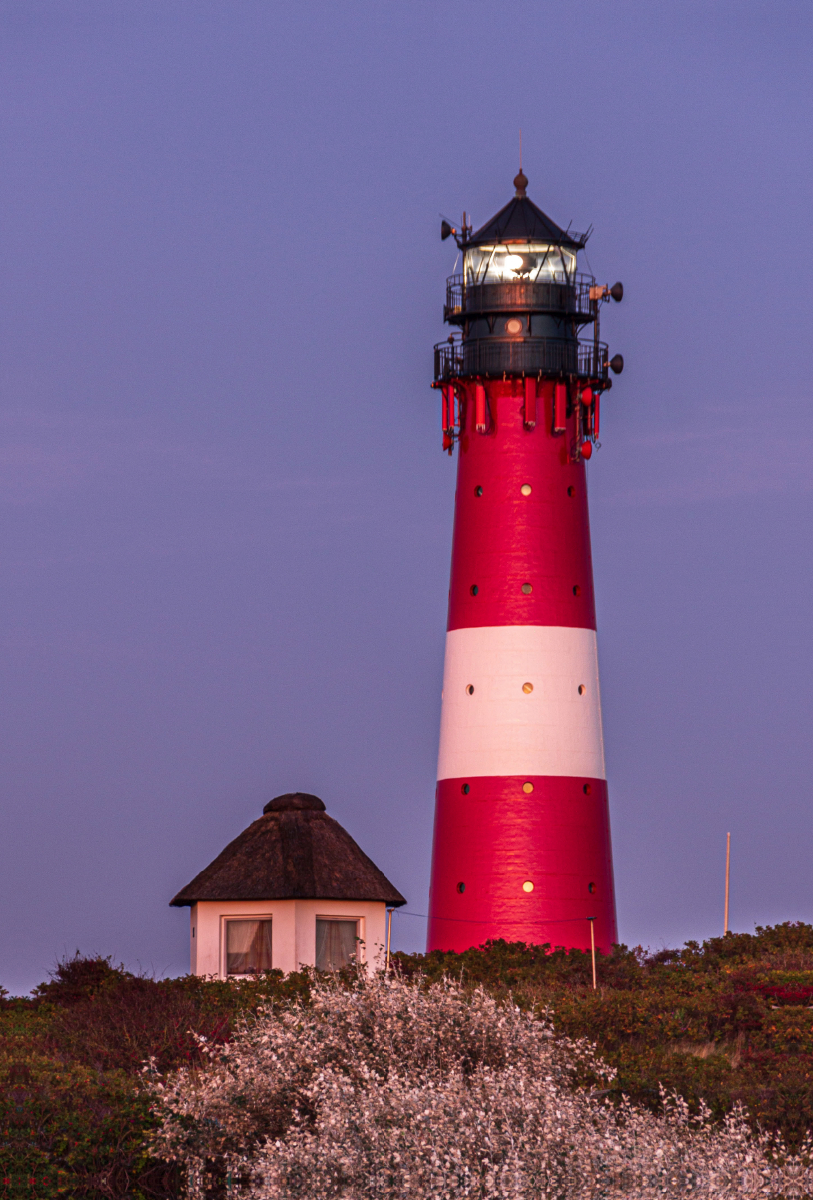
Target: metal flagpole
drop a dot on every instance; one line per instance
(727, 875)
(389, 938)
(593, 949)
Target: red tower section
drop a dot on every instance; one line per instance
(522, 836)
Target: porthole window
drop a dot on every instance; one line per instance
(527, 589)
(571, 491)
(478, 491)
(469, 689)
(527, 788)
(513, 326)
(527, 886)
(576, 590)
(465, 789)
(526, 489)
(461, 887)
(474, 589)
(591, 887)
(527, 688)
(587, 789)
(582, 689)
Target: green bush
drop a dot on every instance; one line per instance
(73, 1109)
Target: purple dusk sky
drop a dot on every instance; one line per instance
(226, 518)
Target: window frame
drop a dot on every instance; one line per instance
(225, 918)
(358, 921)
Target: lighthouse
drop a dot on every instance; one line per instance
(521, 846)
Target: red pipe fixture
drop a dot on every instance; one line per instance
(449, 426)
(586, 449)
(530, 403)
(444, 415)
(480, 408)
(595, 415)
(560, 408)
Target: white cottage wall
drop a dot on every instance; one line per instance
(293, 934)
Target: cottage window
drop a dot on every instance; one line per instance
(248, 947)
(336, 942)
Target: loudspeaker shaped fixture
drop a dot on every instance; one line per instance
(617, 292)
(617, 364)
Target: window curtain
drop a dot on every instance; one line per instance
(248, 947)
(336, 942)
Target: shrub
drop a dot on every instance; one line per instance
(389, 1089)
(73, 1109)
(722, 1023)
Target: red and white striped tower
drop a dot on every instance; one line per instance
(522, 834)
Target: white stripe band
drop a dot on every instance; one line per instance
(499, 729)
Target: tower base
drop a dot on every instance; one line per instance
(494, 840)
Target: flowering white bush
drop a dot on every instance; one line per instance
(399, 1091)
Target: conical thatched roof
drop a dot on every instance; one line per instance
(295, 851)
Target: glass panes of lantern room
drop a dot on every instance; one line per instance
(530, 261)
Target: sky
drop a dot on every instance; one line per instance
(225, 517)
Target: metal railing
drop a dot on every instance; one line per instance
(530, 356)
(560, 296)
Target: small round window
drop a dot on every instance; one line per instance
(461, 887)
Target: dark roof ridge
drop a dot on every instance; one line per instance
(295, 800)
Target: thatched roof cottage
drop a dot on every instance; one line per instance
(294, 888)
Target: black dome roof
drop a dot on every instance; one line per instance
(522, 221)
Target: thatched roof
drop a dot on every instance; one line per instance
(295, 851)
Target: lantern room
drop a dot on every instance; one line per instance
(519, 309)
(530, 261)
